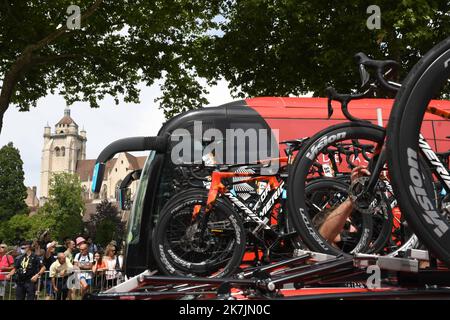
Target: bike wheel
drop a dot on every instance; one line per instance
(428, 79)
(323, 194)
(300, 176)
(382, 221)
(180, 250)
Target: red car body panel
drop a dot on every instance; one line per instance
(301, 117)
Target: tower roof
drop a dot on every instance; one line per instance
(67, 119)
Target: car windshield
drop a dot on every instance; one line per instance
(134, 225)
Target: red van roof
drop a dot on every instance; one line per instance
(301, 117)
(316, 108)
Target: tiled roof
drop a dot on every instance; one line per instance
(66, 120)
(85, 167)
(141, 161)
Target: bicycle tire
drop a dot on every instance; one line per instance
(166, 260)
(419, 87)
(319, 185)
(299, 172)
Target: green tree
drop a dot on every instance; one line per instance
(262, 47)
(106, 224)
(12, 189)
(16, 228)
(119, 45)
(283, 47)
(22, 226)
(64, 207)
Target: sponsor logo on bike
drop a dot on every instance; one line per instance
(312, 231)
(263, 196)
(179, 260)
(248, 211)
(363, 241)
(324, 141)
(272, 200)
(236, 228)
(419, 194)
(434, 160)
(165, 261)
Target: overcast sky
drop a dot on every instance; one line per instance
(103, 125)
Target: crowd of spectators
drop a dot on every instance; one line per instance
(59, 270)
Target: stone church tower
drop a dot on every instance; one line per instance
(62, 149)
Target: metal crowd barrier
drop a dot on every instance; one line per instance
(44, 289)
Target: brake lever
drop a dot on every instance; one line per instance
(380, 65)
(365, 76)
(330, 108)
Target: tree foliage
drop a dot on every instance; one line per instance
(61, 215)
(12, 189)
(290, 47)
(65, 206)
(262, 47)
(119, 44)
(22, 226)
(106, 224)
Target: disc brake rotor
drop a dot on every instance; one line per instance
(363, 202)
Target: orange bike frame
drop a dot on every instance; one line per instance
(217, 187)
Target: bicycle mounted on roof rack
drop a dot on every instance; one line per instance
(216, 212)
(362, 190)
(377, 165)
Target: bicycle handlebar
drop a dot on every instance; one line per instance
(380, 66)
(344, 99)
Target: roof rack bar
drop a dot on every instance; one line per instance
(313, 270)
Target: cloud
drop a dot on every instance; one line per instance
(103, 125)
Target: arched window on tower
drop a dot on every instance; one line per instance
(63, 151)
(57, 151)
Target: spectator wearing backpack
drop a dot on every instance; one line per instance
(114, 263)
(84, 260)
(92, 246)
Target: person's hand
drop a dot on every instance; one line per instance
(62, 273)
(34, 278)
(55, 289)
(359, 172)
(8, 277)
